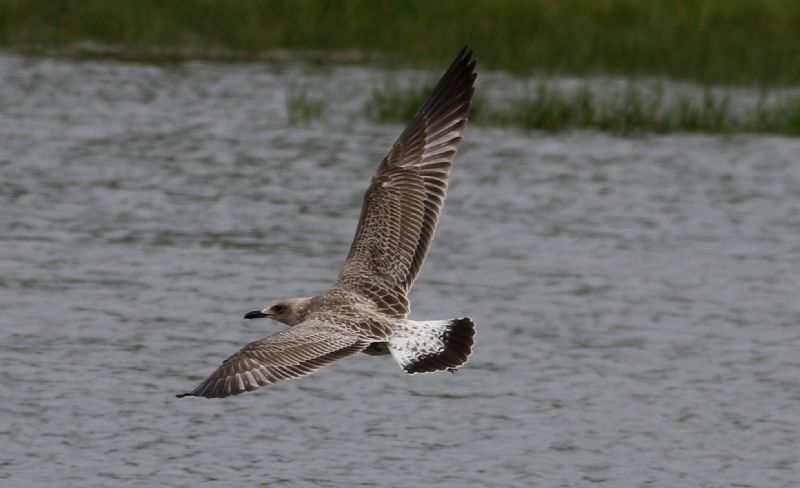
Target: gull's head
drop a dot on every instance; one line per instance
(291, 311)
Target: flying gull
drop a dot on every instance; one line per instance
(366, 309)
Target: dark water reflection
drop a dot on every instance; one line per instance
(636, 298)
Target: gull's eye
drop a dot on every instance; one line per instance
(278, 308)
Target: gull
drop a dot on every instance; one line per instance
(366, 309)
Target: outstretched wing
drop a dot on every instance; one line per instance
(291, 353)
(402, 205)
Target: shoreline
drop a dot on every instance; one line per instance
(707, 41)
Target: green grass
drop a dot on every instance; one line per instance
(302, 108)
(390, 104)
(751, 42)
(711, 41)
(631, 111)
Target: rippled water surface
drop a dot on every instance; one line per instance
(637, 299)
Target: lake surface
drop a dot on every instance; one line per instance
(636, 298)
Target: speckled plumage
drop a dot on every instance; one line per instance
(366, 308)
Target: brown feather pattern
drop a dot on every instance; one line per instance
(291, 353)
(398, 220)
(402, 204)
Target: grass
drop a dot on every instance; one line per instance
(751, 42)
(302, 108)
(631, 111)
(391, 104)
(710, 41)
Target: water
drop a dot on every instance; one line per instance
(636, 298)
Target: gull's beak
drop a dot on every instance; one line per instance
(255, 314)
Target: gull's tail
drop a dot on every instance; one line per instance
(434, 346)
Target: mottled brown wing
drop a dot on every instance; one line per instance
(402, 204)
(291, 353)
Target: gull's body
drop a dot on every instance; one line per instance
(367, 308)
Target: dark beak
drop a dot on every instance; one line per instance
(255, 314)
